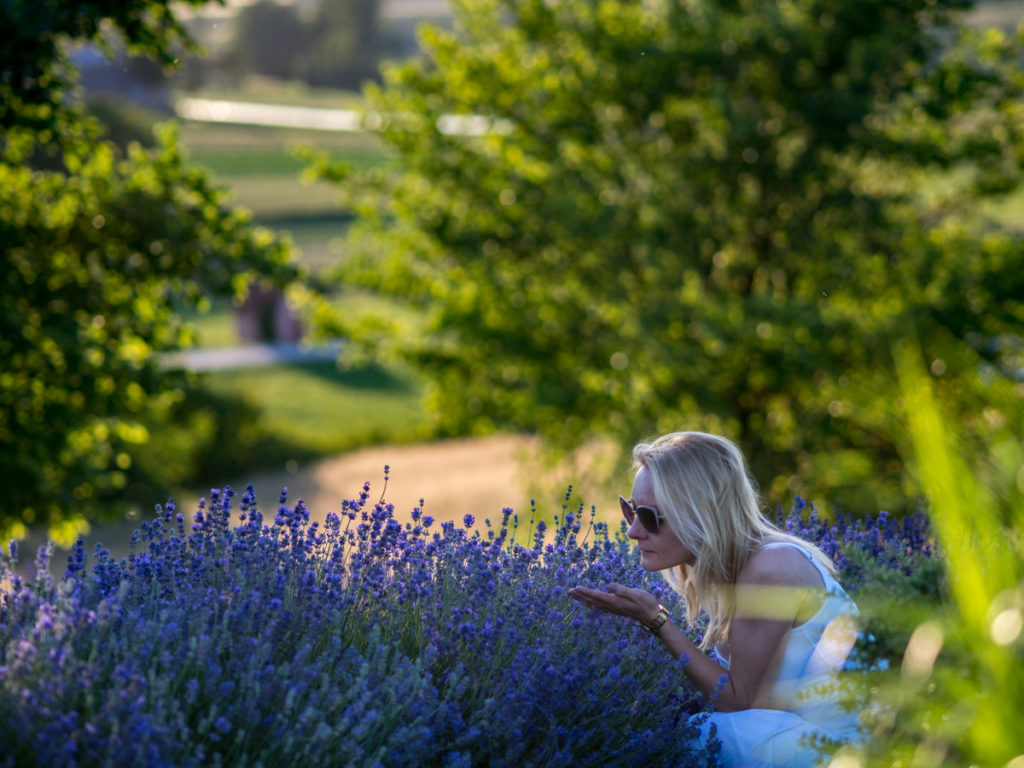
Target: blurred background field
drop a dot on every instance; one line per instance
(310, 412)
(295, 413)
(283, 418)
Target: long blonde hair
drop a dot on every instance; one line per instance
(708, 499)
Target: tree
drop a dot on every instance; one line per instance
(270, 39)
(35, 72)
(98, 253)
(710, 215)
(339, 46)
(346, 47)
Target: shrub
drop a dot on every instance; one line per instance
(363, 642)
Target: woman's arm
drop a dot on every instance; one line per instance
(771, 593)
(701, 669)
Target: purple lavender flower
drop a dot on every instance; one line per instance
(361, 637)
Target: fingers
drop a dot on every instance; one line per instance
(617, 599)
(605, 600)
(591, 591)
(582, 594)
(588, 595)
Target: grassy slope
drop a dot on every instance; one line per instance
(321, 407)
(327, 409)
(258, 164)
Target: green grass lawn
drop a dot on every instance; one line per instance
(259, 166)
(253, 150)
(326, 409)
(264, 90)
(272, 198)
(216, 327)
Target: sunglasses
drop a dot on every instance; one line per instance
(649, 517)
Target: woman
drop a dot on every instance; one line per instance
(779, 624)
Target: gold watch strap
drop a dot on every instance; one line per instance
(654, 625)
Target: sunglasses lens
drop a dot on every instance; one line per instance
(648, 518)
(627, 510)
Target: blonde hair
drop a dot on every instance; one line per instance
(708, 500)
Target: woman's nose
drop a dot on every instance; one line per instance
(636, 530)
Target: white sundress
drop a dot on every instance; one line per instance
(804, 692)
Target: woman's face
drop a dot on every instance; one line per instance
(660, 550)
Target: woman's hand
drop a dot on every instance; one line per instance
(620, 600)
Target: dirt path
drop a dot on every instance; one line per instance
(454, 478)
(478, 476)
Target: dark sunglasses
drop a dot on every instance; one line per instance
(649, 517)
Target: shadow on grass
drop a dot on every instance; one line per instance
(329, 218)
(363, 378)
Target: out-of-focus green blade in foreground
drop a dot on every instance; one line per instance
(974, 650)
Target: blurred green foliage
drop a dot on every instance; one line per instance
(196, 441)
(123, 123)
(710, 215)
(99, 248)
(322, 408)
(35, 71)
(959, 678)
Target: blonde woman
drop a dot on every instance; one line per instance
(779, 624)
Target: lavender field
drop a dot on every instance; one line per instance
(256, 639)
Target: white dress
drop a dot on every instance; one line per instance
(804, 693)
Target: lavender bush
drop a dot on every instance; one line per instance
(891, 568)
(362, 642)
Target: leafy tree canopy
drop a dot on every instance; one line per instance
(35, 73)
(98, 251)
(713, 215)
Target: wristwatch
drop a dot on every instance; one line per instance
(654, 625)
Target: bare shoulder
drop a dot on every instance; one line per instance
(780, 566)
